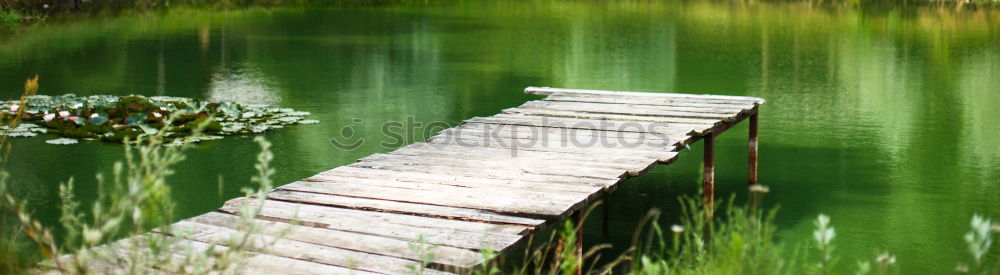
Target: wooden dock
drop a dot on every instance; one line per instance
(485, 184)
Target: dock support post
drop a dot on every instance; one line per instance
(708, 178)
(752, 166)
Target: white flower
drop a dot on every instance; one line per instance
(979, 238)
(94, 115)
(13, 108)
(92, 235)
(824, 233)
(48, 117)
(962, 269)
(63, 113)
(885, 257)
(157, 114)
(759, 188)
(677, 228)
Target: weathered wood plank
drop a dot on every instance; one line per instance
(255, 263)
(664, 155)
(634, 109)
(503, 203)
(618, 117)
(443, 232)
(420, 209)
(655, 102)
(669, 128)
(455, 180)
(444, 255)
(501, 135)
(486, 173)
(635, 166)
(524, 165)
(303, 251)
(664, 129)
(550, 91)
(454, 189)
(556, 132)
(519, 151)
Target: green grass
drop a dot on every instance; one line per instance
(10, 17)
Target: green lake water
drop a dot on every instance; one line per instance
(886, 120)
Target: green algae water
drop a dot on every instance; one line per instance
(884, 119)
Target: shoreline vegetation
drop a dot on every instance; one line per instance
(27, 12)
(18, 12)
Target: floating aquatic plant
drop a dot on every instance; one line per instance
(114, 118)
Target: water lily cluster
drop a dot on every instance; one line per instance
(117, 118)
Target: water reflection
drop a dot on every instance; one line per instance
(242, 84)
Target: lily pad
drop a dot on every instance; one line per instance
(115, 118)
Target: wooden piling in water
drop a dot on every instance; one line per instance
(708, 176)
(752, 164)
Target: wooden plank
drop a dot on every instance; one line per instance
(485, 173)
(634, 109)
(669, 128)
(665, 130)
(635, 166)
(555, 132)
(501, 203)
(519, 151)
(524, 165)
(444, 232)
(619, 117)
(477, 192)
(656, 102)
(303, 251)
(564, 140)
(453, 189)
(402, 219)
(466, 181)
(467, 214)
(449, 257)
(550, 91)
(255, 263)
(664, 155)
(103, 259)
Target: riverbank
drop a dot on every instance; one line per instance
(19, 12)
